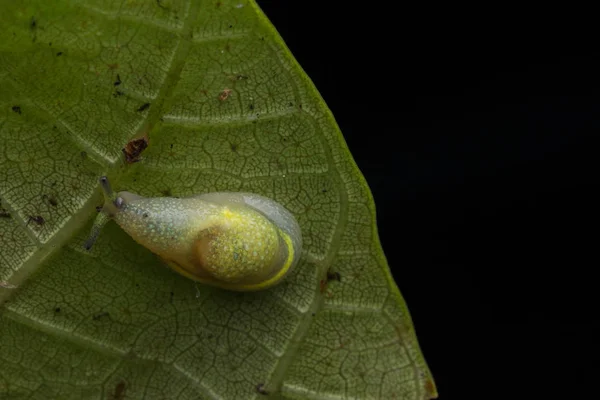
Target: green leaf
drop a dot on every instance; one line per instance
(225, 107)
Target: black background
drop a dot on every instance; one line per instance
(479, 145)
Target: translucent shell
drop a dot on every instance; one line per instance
(236, 241)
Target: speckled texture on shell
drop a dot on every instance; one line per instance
(239, 245)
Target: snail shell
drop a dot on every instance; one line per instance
(236, 241)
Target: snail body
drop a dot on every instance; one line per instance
(236, 241)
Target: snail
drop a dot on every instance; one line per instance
(233, 240)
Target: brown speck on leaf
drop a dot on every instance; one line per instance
(119, 392)
(224, 95)
(143, 107)
(260, 388)
(430, 388)
(134, 149)
(17, 109)
(323, 286)
(113, 66)
(204, 92)
(167, 192)
(218, 4)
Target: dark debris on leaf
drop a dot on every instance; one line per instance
(334, 276)
(134, 149)
(143, 107)
(37, 219)
(260, 388)
(119, 392)
(50, 200)
(100, 315)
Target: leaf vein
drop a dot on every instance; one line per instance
(131, 18)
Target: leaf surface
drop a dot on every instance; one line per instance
(225, 107)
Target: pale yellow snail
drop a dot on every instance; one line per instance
(236, 241)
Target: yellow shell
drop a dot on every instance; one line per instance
(236, 241)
